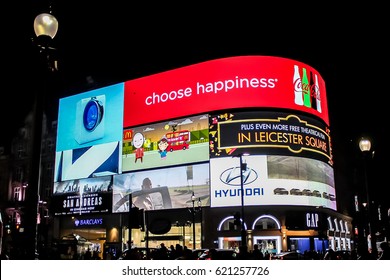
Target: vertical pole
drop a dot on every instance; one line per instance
(201, 227)
(369, 223)
(184, 234)
(146, 213)
(33, 189)
(193, 222)
(243, 232)
(129, 222)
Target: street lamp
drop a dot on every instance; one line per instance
(243, 168)
(45, 27)
(365, 148)
(194, 211)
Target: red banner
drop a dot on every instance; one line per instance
(227, 83)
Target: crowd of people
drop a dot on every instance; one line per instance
(179, 252)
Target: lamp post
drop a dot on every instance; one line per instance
(194, 211)
(243, 168)
(243, 231)
(45, 27)
(365, 148)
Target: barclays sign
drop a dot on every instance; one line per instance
(88, 222)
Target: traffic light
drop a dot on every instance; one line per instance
(237, 219)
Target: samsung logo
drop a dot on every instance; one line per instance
(232, 176)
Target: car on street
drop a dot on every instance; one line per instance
(138, 253)
(290, 255)
(219, 254)
(194, 255)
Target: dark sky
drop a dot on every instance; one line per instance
(102, 43)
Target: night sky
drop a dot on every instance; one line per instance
(102, 43)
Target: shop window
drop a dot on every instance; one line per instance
(229, 225)
(266, 222)
(300, 244)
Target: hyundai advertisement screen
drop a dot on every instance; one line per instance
(272, 180)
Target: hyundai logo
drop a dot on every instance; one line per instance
(231, 176)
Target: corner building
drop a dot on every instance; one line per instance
(203, 150)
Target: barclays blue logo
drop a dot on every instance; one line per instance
(232, 176)
(88, 222)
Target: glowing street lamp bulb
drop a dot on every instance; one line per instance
(364, 145)
(45, 24)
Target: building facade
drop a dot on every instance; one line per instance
(195, 156)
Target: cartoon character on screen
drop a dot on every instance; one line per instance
(163, 147)
(138, 143)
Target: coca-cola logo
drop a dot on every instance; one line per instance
(307, 88)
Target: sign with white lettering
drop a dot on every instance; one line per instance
(312, 220)
(264, 132)
(92, 222)
(88, 203)
(227, 83)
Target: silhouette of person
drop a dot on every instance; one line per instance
(257, 254)
(330, 255)
(385, 255)
(162, 252)
(88, 254)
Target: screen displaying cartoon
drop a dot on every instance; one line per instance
(167, 143)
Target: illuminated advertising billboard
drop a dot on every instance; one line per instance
(158, 129)
(272, 180)
(270, 133)
(228, 83)
(163, 188)
(89, 134)
(167, 143)
(83, 196)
